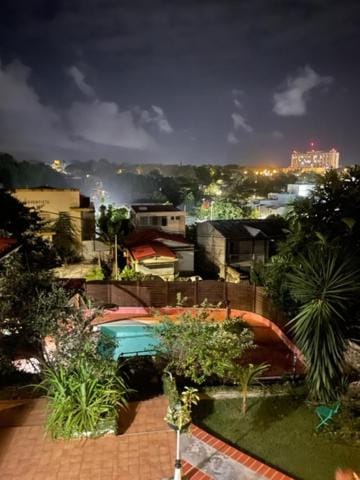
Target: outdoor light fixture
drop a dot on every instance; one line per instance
(178, 417)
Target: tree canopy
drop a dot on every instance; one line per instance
(112, 221)
(314, 277)
(25, 225)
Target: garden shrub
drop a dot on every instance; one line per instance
(197, 347)
(84, 395)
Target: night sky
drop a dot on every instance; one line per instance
(179, 81)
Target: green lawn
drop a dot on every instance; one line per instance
(281, 432)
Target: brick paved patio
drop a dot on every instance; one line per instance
(144, 450)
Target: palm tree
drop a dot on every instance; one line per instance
(246, 376)
(325, 283)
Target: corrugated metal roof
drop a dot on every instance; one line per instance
(249, 229)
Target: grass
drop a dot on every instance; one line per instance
(281, 432)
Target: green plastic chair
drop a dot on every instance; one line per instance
(326, 413)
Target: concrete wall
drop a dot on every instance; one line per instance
(50, 202)
(165, 268)
(213, 244)
(185, 260)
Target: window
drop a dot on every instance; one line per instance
(143, 221)
(163, 221)
(177, 218)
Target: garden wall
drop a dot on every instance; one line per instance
(160, 294)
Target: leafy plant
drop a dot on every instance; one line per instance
(326, 285)
(129, 274)
(96, 273)
(197, 347)
(84, 397)
(170, 388)
(112, 221)
(179, 414)
(180, 300)
(246, 376)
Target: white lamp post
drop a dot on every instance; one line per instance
(177, 472)
(178, 418)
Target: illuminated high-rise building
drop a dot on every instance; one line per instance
(315, 159)
(57, 165)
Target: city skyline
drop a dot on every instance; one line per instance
(187, 82)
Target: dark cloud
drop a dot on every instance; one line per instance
(186, 57)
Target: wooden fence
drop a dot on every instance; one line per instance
(160, 294)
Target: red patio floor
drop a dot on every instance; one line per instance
(144, 450)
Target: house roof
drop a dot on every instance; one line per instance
(243, 229)
(151, 249)
(137, 237)
(46, 187)
(158, 207)
(7, 245)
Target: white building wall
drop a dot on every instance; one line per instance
(175, 221)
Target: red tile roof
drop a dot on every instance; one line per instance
(138, 237)
(151, 249)
(6, 245)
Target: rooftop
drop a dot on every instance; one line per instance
(242, 229)
(143, 208)
(138, 237)
(45, 187)
(151, 249)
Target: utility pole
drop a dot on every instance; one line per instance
(116, 259)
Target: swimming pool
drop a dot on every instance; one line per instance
(131, 338)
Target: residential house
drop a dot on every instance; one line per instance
(158, 253)
(164, 217)
(50, 202)
(234, 245)
(279, 203)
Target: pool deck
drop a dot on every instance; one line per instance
(143, 451)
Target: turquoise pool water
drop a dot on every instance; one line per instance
(131, 338)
